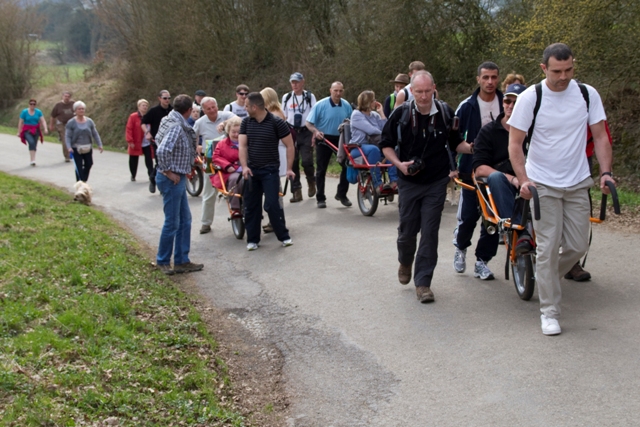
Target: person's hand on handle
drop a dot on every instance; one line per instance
(524, 190)
(603, 186)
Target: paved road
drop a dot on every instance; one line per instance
(359, 349)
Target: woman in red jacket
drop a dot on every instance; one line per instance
(226, 157)
(137, 144)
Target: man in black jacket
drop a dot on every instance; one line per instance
(421, 129)
(491, 161)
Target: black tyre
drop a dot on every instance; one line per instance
(524, 275)
(196, 183)
(237, 224)
(367, 196)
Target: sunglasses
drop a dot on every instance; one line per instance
(508, 101)
(243, 93)
(166, 97)
(32, 103)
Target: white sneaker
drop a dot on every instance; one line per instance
(287, 242)
(252, 246)
(455, 236)
(482, 271)
(550, 326)
(460, 260)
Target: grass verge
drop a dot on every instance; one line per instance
(89, 332)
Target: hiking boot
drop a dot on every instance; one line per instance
(312, 188)
(297, 196)
(267, 228)
(252, 246)
(460, 260)
(577, 273)
(424, 294)
(344, 200)
(322, 205)
(287, 243)
(166, 269)
(482, 272)
(524, 244)
(187, 267)
(404, 274)
(205, 229)
(550, 326)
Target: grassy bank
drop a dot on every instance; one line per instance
(89, 332)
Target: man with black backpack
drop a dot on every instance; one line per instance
(296, 106)
(422, 131)
(555, 114)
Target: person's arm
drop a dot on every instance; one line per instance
(43, 123)
(218, 158)
(96, 136)
(291, 152)
(68, 135)
(516, 156)
(360, 122)
(20, 125)
(52, 120)
(243, 155)
(400, 98)
(129, 132)
(604, 153)
(310, 123)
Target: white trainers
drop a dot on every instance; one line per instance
(482, 272)
(252, 246)
(455, 236)
(287, 242)
(550, 326)
(460, 260)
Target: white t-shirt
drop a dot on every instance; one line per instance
(489, 111)
(236, 109)
(557, 154)
(297, 105)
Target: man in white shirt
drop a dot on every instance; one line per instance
(557, 166)
(296, 106)
(239, 106)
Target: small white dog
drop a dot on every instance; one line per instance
(83, 193)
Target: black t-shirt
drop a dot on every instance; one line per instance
(431, 143)
(491, 147)
(153, 118)
(263, 139)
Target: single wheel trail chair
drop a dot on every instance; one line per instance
(368, 196)
(522, 266)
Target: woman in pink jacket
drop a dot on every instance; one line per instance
(226, 157)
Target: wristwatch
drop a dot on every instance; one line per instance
(606, 173)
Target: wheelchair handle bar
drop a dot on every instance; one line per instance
(536, 202)
(614, 197)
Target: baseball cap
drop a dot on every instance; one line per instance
(296, 77)
(515, 89)
(401, 78)
(200, 92)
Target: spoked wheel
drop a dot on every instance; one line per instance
(195, 182)
(524, 275)
(237, 224)
(367, 196)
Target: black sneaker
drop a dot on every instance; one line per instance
(344, 200)
(152, 186)
(322, 204)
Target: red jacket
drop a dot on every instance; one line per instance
(225, 155)
(134, 134)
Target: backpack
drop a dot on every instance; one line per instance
(230, 107)
(306, 96)
(583, 90)
(393, 96)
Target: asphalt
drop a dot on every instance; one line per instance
(359, 350)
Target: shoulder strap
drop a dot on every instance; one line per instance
(286, 99)
(230, 107)
(307, 97)
(585, 94)
(535, 109)
(404, 118)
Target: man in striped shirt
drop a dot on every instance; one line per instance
(258, 152)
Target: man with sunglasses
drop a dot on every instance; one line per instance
(491, 161)
(151, 124)
(239, 106)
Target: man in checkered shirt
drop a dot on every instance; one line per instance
(176, 152)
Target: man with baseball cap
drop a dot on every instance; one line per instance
(399, 84)
(296, 106)
(491, 161)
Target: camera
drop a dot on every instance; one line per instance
(416, 166)
(297, 120)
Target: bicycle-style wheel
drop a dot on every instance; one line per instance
(195, 182)
(367, 196)
(237, 224)
(524, 275)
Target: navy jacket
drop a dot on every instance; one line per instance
(470, 123)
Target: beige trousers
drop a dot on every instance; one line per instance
(61, 133)
(564, 221)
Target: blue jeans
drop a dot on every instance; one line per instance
(264, 181)
(373, 155)
(504, 194)
(176, 232)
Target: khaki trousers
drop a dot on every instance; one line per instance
(564, 222)
(61, 133)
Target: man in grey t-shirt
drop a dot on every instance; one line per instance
(206, 128)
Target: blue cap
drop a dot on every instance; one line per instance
(515, 89)
(296, 77)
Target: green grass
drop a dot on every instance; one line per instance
(89, 330)
(47, 75)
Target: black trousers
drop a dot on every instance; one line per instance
(304, 151)
(148, 161)
(420, 210)
(323, 156)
